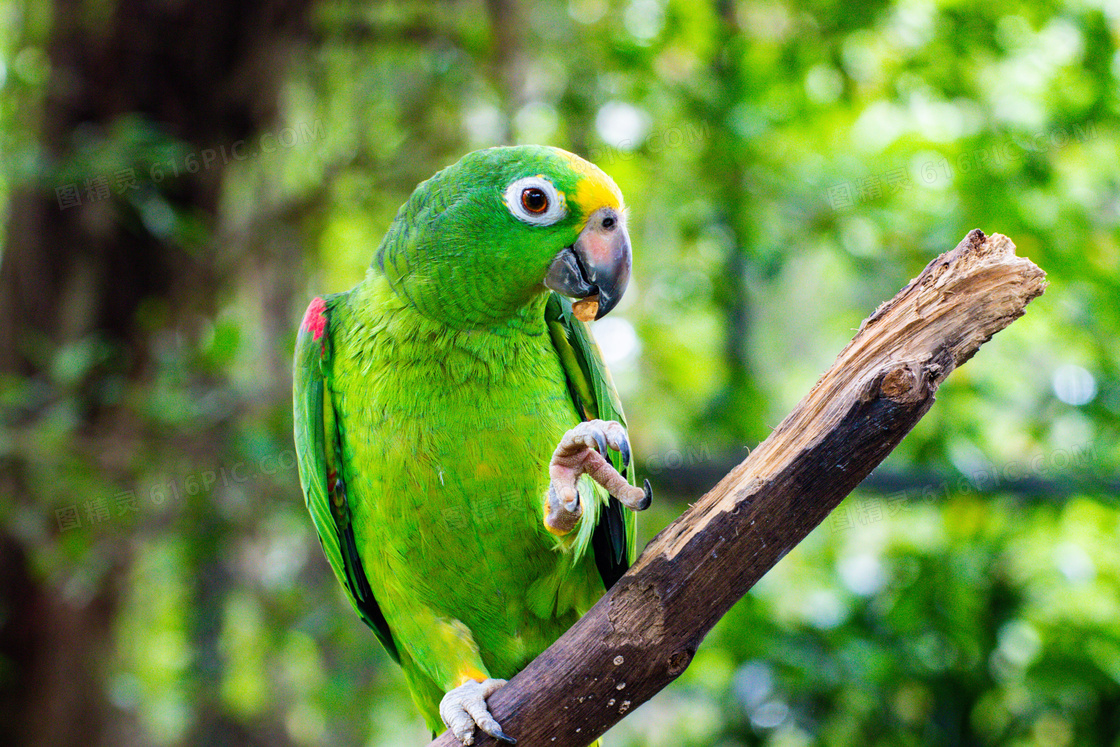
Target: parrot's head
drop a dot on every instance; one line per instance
(479, 243)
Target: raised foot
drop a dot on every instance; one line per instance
(581, 451)
(464, 708)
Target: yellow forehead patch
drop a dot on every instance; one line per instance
(594, 189)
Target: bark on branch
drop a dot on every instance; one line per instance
(644, 631)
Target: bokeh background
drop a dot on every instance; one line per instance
(179, 179)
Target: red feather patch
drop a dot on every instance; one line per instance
(315, 320)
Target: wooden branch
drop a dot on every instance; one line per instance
(644, 631)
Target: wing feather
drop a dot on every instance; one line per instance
(595, 396)
(319, 455)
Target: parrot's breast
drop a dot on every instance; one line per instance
(447, 438)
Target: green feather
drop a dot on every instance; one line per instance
(319, 458)
(613, 529)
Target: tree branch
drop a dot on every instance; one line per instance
(644, 631)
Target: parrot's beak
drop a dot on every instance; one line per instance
(596, 267)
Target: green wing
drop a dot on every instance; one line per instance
(589, 381)
(319, 454)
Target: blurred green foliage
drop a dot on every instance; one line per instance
(788, 166)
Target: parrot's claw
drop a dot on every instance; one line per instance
(583, 450)
(464, 708)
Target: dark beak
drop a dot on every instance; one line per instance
(597, 265)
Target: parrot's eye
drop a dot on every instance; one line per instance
(534, 200)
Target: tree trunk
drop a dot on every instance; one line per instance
(95, 261)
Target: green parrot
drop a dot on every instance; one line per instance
(461, 446)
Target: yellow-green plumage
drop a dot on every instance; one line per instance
(429, 400)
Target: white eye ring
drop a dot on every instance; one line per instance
(557, 207)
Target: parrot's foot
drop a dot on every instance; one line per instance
(465, 707)
(581, 451)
